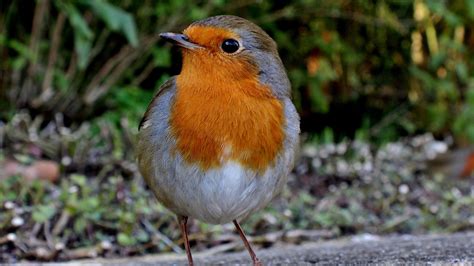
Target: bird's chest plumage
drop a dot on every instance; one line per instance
(218, 122)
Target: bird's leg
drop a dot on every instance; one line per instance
(183, 220)
(255, 260)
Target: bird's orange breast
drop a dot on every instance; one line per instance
(216, 118)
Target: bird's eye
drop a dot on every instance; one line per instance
(230, 46)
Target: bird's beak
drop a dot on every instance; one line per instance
(180, 40)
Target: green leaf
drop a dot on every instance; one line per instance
(125, 239)
(116, 19)
(386, 14)
(80, 224)
(440, 8)
(438, 115)
(22, 49)
(462, 71)
(89, 204)
(142, 236)
(161, 57)
(318, 99)
(61, 81)
(83, 35)
(464, 122)
(470, 8)
(423, 76)
(437, 60)
(83, 47)
(77, 21)
(197, 14)
(325, 219)
(327, 136)
(19, 63)
(42, 213)
(80, 180)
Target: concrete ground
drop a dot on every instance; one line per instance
(365, 249)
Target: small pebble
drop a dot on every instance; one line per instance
(17, 221)
(403, 189)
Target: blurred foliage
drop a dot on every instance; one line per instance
(392, 67)
(100, 206)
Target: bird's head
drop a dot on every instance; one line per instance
(231, 47)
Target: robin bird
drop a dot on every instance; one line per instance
(456, 163)
(218, 140)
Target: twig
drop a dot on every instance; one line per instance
(388, 119)
(129, 139)
(104, 72)
(338, 14)
(114, 74)
(361, 18)
(64, 101)
(42, 253)
(145, 73)
(7, 238)
(278, 14)
(35, 230)
(38, 20)
(47, 234)
(4, 56)
(160, 236)
(88, 252)
(115, 66)
(53, 55)
(71, 70)
(61, 223)
(99, 45)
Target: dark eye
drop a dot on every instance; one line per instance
(230, 46)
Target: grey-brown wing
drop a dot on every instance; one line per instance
(168, 85)
(154, 142)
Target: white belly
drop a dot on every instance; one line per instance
(219, 195)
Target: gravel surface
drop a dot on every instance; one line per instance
(363, 249)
